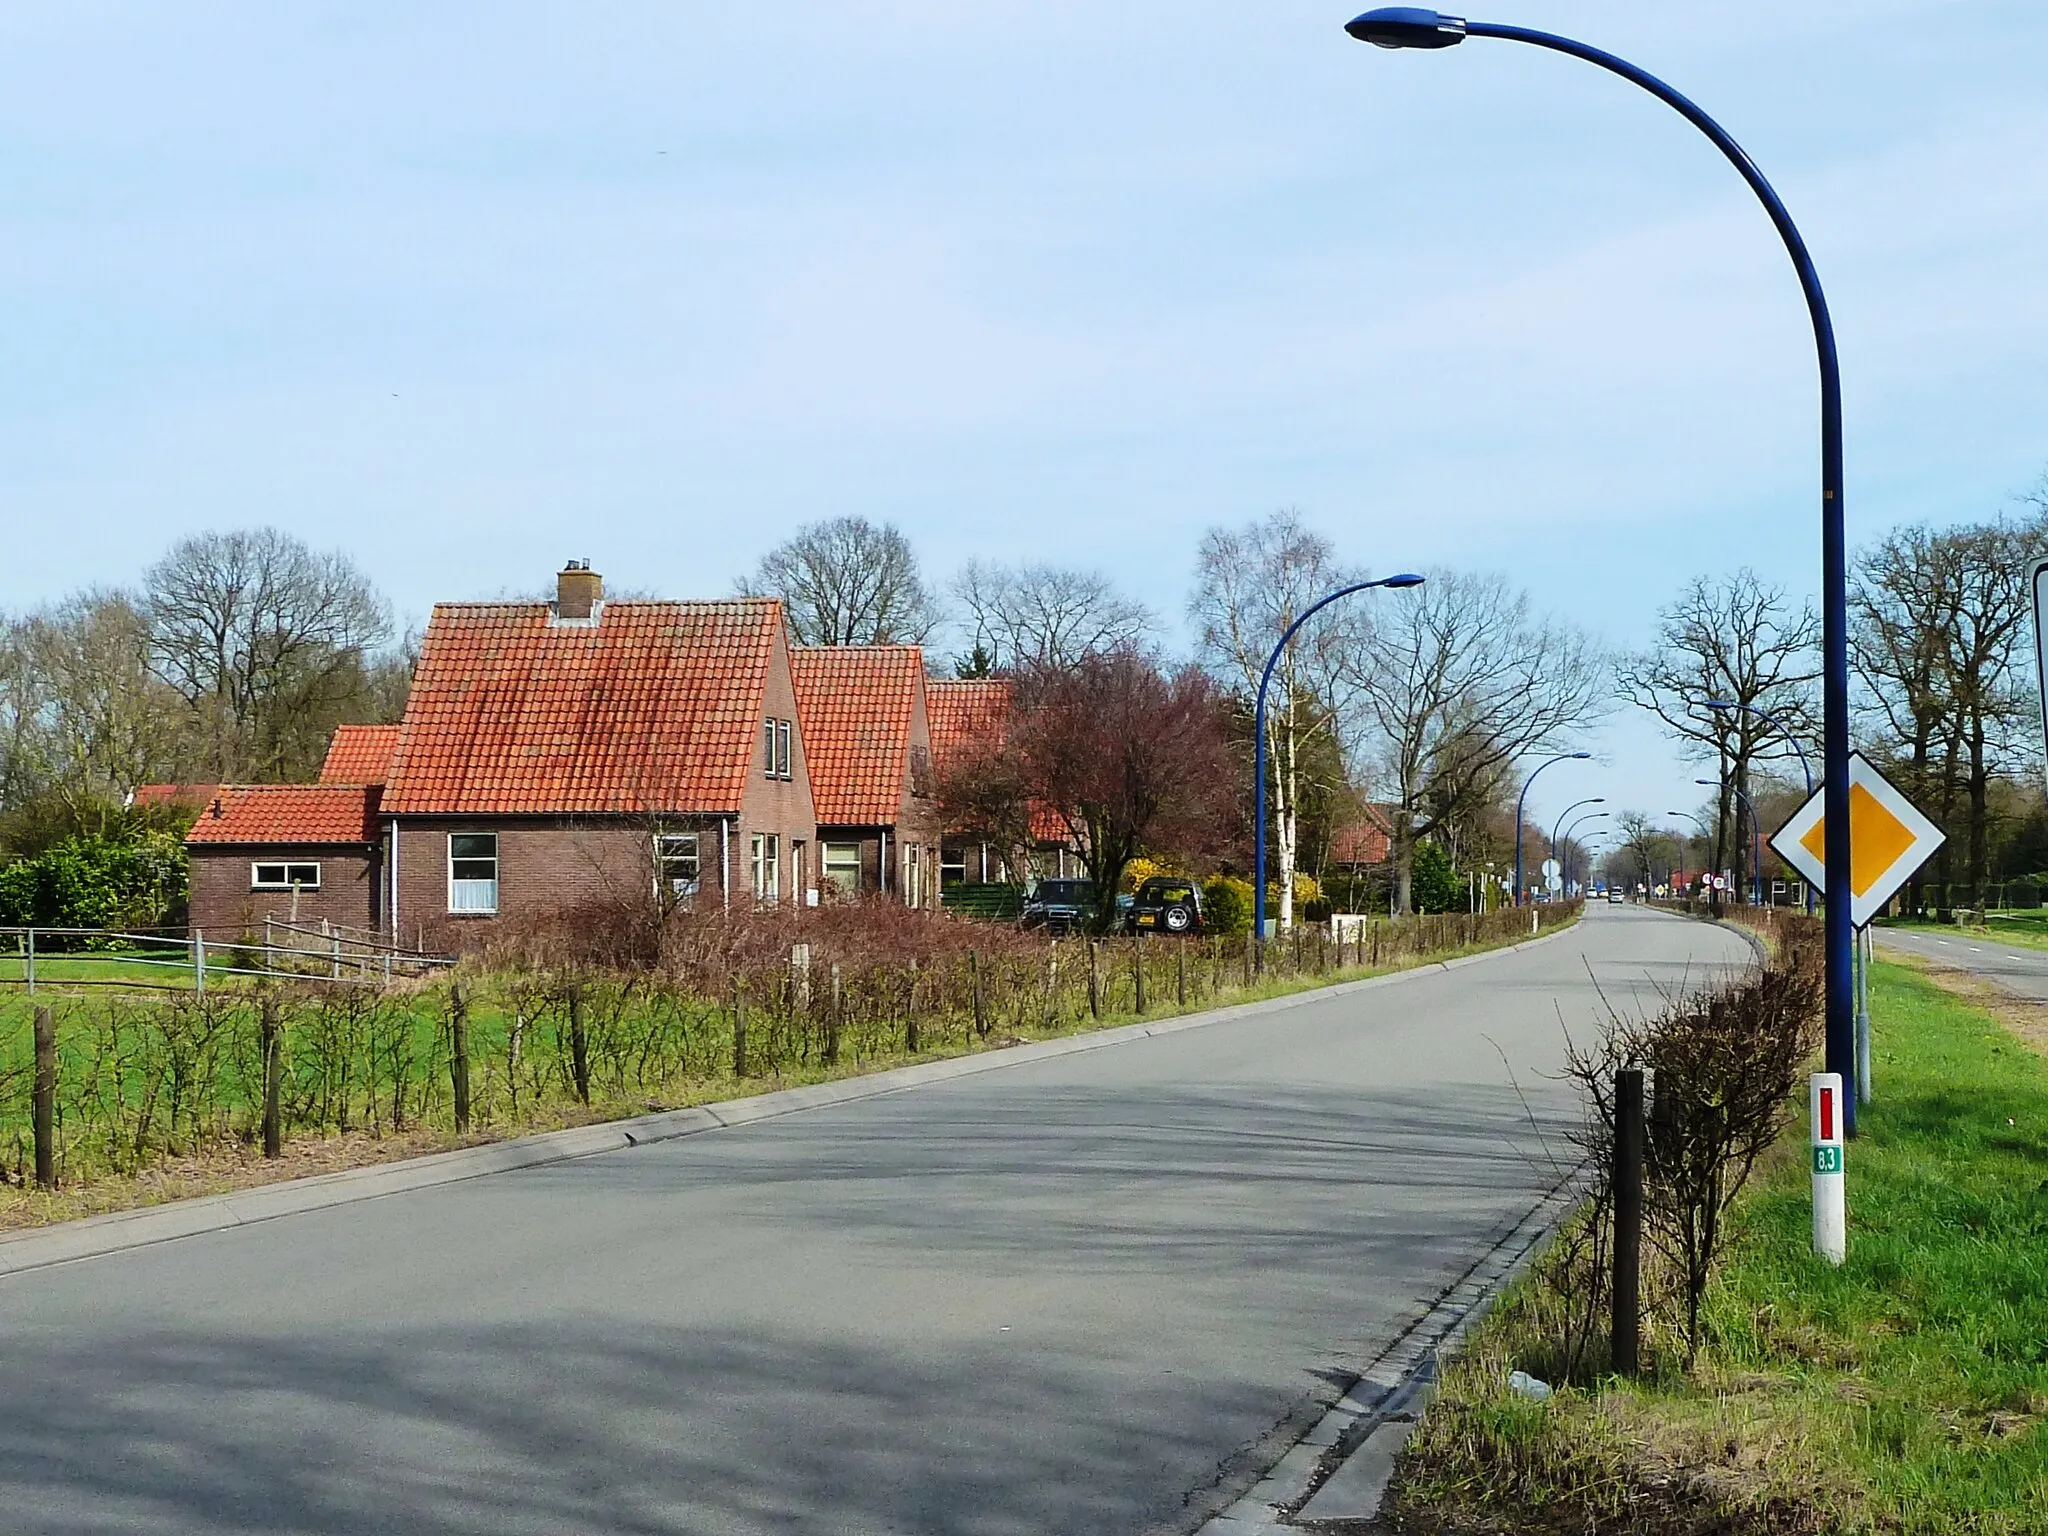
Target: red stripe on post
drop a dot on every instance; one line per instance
(1827, 1114)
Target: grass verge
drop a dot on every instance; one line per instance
(1905, 1392)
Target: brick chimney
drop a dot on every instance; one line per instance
(578, 590)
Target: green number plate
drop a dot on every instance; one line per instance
(1827, 1159)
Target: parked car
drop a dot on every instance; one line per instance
(1059, 906)
(1165, 904)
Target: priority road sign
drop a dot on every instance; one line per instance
(1888, 840)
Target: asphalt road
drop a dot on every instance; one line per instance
(1049, 1299)
(2020, 970)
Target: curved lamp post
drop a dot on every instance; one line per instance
(1522, 799)
(1403, 26)
(1568, 831)
(1590, 800)
(1259, 737)
(1805, 769)
(1756, 840)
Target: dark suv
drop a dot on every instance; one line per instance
(1166, 904)
(1059, 906)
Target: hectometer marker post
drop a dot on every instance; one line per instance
(1830, 1198)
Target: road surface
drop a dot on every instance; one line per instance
(2015, 967)
(1047, 1299)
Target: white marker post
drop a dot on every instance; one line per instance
(1830, 1200)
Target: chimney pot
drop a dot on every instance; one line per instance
(578, 591)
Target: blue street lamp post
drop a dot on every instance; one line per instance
(1522, 799)
(1404, 26)
(1589, 800)
(1756, 841)
(1259, 738)
(1805, 771)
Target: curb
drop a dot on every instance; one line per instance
(1380, 1409)
(118, 1231)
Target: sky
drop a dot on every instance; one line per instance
(467, 290)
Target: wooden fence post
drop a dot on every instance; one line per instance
(1625, 1351)
(832, 1021)
(974, 974)
(458, 1054)
(739, 1028)
(1180, 974)
(1138, 973)
(1094, 980)
(579, 1044)
(199, 961)
(270, 1031)
(44, 1108)
(910, 1038)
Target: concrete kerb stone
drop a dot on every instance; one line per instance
(118, 1231)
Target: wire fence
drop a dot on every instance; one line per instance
(70, 958)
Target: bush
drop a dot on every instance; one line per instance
(97, 882)
(1434, 887)
(1227, 905)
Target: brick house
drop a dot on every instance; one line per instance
(302, 853)
(969, 715)
(865, 726)
(556, 754)
(552, 754)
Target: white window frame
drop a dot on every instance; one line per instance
(669, 853)
(767, 863)
(783, 770)
(835, 871)
(768, 747)
(292, 878)
(466, 896)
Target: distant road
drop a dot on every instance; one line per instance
(2020, 970)
(1048, 1300)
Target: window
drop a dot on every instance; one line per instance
(676, 869)
(775, 747)
(472, 872)
(767, 867)
(283, 877)
(952, 867)
(842, 867)
(913, 876)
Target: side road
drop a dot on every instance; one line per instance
(1098, 1290)
(118, 1230)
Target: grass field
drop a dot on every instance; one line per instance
(1906, 1391)
(2028, 927)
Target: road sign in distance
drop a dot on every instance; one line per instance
(1888, 840)
(1551, 869)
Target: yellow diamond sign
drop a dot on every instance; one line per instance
(1888, 840)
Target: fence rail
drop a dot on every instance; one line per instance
(107, 957)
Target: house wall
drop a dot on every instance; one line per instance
(779, 806)
(546, 866)
(224, 906)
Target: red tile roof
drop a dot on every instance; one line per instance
(656, 707)
(965, 712)
(360, 754)
(856, 705)
(288, 813)
(173, 794)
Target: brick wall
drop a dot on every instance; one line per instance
(224, 906)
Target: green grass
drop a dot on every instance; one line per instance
(1905, 1391)
(2027, 927)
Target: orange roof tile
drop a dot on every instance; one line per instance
(655, 707)
(965, 712)
(856, 705)
(360, 754)
(288, 813)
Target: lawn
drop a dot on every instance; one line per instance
(2027, 927)
(1906, 1391)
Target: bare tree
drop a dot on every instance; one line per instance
(267, 641)
(1734, 639)
(1645, 848)
(846, 581)
(1459, 681)
(1251, 583)
(1027, 616)
(1939, 621)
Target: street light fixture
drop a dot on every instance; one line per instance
(1590, 800)
(1522, 799)
(1259, 737)
(1589, 816)
(1756, 839)
(1404, 26)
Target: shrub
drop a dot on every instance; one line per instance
(1227, 905)
(138, 881)
(1434, 887)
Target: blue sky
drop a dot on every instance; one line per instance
(470, 289)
